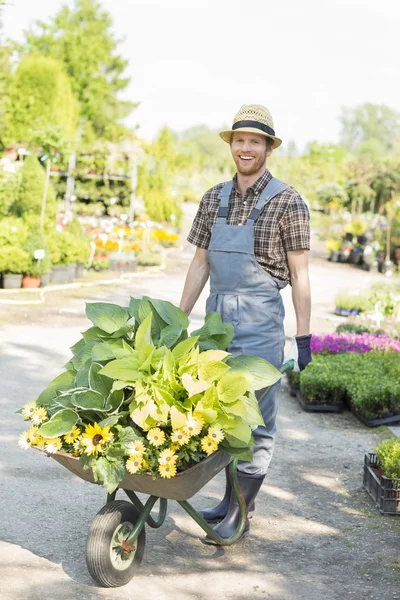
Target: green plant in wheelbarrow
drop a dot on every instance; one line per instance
(143, 406)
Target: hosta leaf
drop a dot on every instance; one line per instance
(61, 383)
(170, 335)
(82, 376)
(239, 433)
(254, 417)
(193, 386)
(94, 334)
(240, 453)
(84, 355)
(183, 348)
(114, 401)
(108, 317)
(124, 368)
(143, 334)
(69, 366)
(76, 348)
(134, 304)
(231, 386)
(60, 424)
(212, 325)
(125, 330)
(223, 340)
(212, 370)
(262, 373)
(169, 313)
(212, 355)
(209, 414)
(99, 383)
(236, 408)
(178, 418)
(126, 435)
(88, 400)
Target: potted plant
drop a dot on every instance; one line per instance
(39, 263)
(333, 246)
(382, 476)
(323, 385)
(14, 262)
(62, 252)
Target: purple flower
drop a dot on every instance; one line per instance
(357, 343)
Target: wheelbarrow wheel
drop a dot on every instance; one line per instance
(111, 560)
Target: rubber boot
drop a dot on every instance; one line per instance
(250, 487)
(216, 514)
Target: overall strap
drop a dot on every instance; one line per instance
(224, 196)
(272, 189)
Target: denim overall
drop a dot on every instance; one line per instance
(244, 294)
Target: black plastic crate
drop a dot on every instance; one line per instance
(335, 407)
(384, 492)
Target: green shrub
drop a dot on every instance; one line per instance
(9, 190)
(149, 259)
(352, 328)
(13, 232)
(37, 268)
(324, 379)
(388, 455)
(352, 302)
(62, 247)
(13, 260)
(28, 205)
(293, 378)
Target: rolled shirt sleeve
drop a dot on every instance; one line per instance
(295, 225)
(200, 232)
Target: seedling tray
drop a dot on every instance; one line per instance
(384, 491)
(376, 421)
(308, 407)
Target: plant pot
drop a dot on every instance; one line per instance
(29, 281)
(334, 256)
(80, 271)
(45, 279)
(343, 312)
(319, 406)
(59, 274)
(375, 421)
(12, 281)
(384, 491)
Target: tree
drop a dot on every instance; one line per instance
(5, 73)
(42, 109)
(370, 130)
(82, 39)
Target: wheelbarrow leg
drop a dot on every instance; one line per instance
(211, 534)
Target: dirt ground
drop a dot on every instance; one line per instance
(315, 534)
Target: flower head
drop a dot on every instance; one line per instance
(215, 433)
(53, 445)
(156, 437)
(29, 409)
(180, 437)
(194, 424)
(168, 470)
(24, 441)
(133, 464)
(209, 445)
(70, 437)
(95, 437)
(136, 448)
(167, 456)
(39, 415)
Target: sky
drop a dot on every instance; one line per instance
(197, 61)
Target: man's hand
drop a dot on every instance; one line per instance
(304, 349)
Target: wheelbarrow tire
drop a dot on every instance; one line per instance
(104, 564)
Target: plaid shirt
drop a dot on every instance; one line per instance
(282, 226)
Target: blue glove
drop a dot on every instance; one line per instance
(304, 348)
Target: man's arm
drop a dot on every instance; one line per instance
(301, 294)
(196, 279)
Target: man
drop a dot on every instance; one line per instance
(253, 238)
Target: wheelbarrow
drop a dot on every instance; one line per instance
(117, 538)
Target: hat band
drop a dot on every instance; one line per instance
(255, 124)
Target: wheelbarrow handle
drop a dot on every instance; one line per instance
(287, 366)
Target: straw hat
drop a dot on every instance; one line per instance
(253, 118)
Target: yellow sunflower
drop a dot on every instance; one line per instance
(179, 436)
(193, 425)
(29, 409)
(133, 464)
(53, 445)
(215, 433)
(156, 437)
(70, 437)
(40, 441)
(208, 445)
(95, 437)
(32, 434)
(77, 447)
(39, 415)
(175, 446)
(168, 470)
(167, 456)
